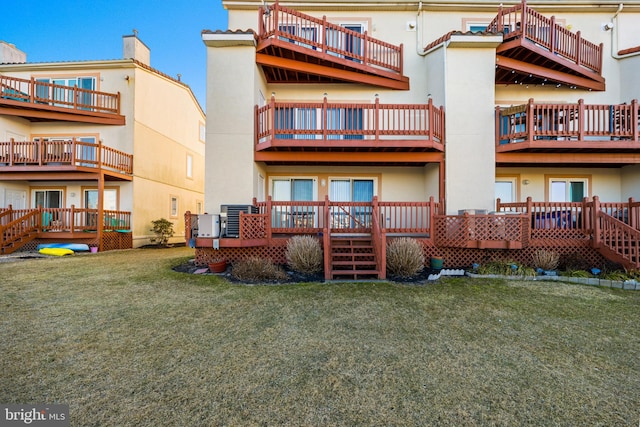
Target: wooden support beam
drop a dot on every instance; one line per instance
(569, 158)
(333, 157)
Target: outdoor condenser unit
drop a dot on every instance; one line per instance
(233, 217)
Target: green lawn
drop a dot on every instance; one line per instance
(126, 341)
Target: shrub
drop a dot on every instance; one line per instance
(163, 230)
(256, 269)
(546, 260)
(505, 268)
(304, 254)
(404, 257)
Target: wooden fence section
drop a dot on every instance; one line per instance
(577, 122)
(71, 152)
(324, 38)
(43, 93)
(495, 231)
(324, 121)
(522, 21)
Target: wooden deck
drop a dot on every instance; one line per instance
(40, 101)
(297, 48)
(591, 229)
(19, 227)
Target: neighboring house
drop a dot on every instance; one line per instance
(359, 122)
(93, 151)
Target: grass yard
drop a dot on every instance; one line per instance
(126, 341)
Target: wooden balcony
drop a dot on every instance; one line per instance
(72, 159)
(323, 132)
(538, 51)
(298, 48)
(568, 133)
(41, 101)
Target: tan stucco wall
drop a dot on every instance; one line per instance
(163, 122)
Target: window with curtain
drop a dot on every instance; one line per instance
(567, 190)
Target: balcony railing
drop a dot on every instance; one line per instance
(325, 123)
(60, 153)
(561, 122)
(521, 21)
(39, 94)
(322, 38)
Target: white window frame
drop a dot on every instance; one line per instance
(513, 180)
(174, 204)
(567, 181)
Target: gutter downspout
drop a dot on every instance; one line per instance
(614, 36)
(419, 50)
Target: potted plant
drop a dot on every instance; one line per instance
(217, 265)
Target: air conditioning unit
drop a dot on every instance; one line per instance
(233, 217)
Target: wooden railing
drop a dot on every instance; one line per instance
(482, 231)
(56, 153)
(69, 219)
(72, 97)
(14, 228)
(581, 122)
(324, 121)
(320, 37)
(522, 21)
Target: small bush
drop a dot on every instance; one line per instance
(256, 269)
(163, 230)
(304, 254)
(546, 260)
(404, 257)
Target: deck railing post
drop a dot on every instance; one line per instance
(324, 119)
(12, 150)
(32, 90)
(187, 227)
(581, 119)
(401, 59)
(634, 120)
(529, 209)
(530, 119)
(326, 239)
(552, 35)
(500, 20)
(498, 126)
(72, 218)
(365, 49)
(268, 216)
(431, 120)
(376, 119)
(75, 96)
(323, 46)
(578, 49)
(432, 213)
(272, 119)
(633, 222)
(596, 222)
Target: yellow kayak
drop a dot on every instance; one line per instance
(56, 251)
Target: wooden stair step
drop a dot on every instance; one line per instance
(353, 263)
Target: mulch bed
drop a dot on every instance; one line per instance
(190, 267)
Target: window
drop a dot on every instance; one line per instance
(189, 166)
(342, 41)
(505, 189)
(47, 198)
(202, 135)
(84, 98)
(174, 207)
(109, 203)
(351, 190)
(293, 190)
(568, 189)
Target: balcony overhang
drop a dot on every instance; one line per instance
(303, 69)
(542, 159)
(58, 173)
(49, 113)
(348, 158)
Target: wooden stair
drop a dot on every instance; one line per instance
(14, 245)
(353, 257)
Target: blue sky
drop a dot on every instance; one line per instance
(68, 30)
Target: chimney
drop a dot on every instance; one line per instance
(132, 47)
(10, 54)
